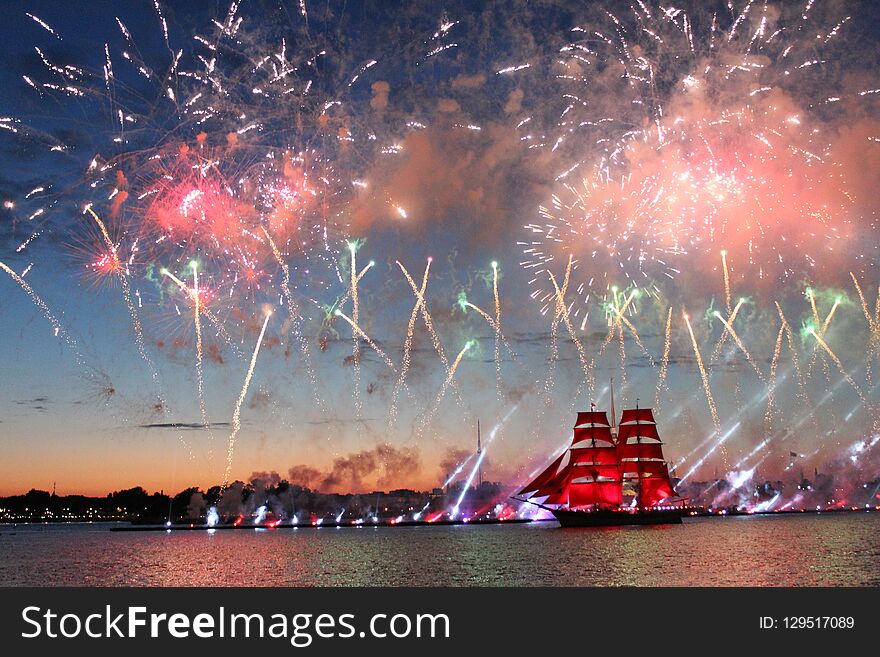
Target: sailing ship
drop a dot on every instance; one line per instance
(609, 475)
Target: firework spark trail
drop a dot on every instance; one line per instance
(407, 345)
(618, 317)
(236, 414)
(716, 422)
(497, 329)
(429, 324)
(358, 331)
(426, 317)
(550, 377)
(122, 275)
(873, 326)
(126, 294)
(38, 302)
(664, 363)
(293, 314)
(356, 345)
(726, 280)
(57, 329)
(771, 388)
(716, 352)
(563, 312)
(347, 294)
(446, 383)
(868, 406)
(813, 306)
(628, 324)
(492, 325)
(621, 348)
(829, 316)
(739, 343)
(822, 328)
(617, 327)
(876, 335)
(877, 310)
(799, 376)
(622, 322)
(823, 332)
(199, 373)
(612, 331)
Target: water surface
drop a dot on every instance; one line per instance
(791, 550)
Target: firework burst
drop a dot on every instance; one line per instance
(719, 141)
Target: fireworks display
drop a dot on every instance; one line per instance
(680, 199)
(721, 139)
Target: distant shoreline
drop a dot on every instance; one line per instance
(128, 526)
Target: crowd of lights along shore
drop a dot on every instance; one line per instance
(699, 241)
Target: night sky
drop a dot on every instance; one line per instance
(648, 145)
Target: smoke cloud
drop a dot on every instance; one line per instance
(383, 466)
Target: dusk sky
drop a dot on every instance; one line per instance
(648, 146)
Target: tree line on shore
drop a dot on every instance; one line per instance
(282, 499)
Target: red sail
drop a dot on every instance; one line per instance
(626, 431)
(595, 471)
(557, 489)
(544, 477)
(653, 478)
(654, 490)
(592, 433)
(592, 417)
(555, 483)
(637, 414)
(640, 451)
(657, 470)
(636, 469)
(600, 455)
(603, 492)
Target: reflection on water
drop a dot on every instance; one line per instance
(842, 550)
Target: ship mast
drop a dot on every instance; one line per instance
(592, 426)
(639, 442)
(613, 421)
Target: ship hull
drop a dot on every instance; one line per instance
(609, 518)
